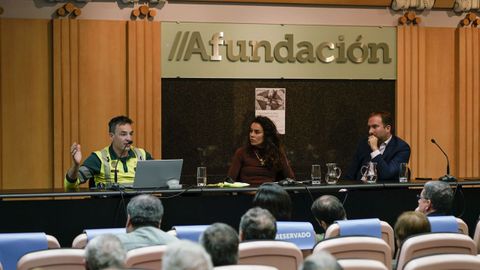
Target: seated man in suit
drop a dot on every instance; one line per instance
(382, 147)
(436, 199)
(257, 224)
(144, 216)
(99, 168)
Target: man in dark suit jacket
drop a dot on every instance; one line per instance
(382, 147)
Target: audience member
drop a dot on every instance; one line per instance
(186, 255)
(275, 199)
(410, 223)
(221, 242)
(144, 216)
(320, 261)
(263, 158)
(382, 147)
(435, 199)
(104, 251)
(326, 210)
(257, 224)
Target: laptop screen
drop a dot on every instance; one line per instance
(156, 173)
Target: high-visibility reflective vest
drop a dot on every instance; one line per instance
(107, 170)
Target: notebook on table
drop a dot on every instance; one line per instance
(151, 174)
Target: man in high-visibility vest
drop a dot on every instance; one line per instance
(99, 168)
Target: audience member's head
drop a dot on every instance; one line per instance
(221, 242)
(410, 223)
(320, 261)
(436, 198)
(257, 224)
(186, 255)
(104, 251)
(327, 209)
(144, 210)
(275, 199)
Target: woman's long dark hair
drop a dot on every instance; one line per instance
(271, 149)
(275, 199)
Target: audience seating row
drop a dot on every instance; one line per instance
(380, 250)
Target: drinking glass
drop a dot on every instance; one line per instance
(201, 176)
(316, 174)
(403, 173)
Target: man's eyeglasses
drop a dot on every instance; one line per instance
(420, 197)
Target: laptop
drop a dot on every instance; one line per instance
(156, 173)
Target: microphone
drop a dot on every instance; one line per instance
(115, 177)
(447, 177)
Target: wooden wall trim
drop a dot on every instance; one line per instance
(410, 99)
(468, 99)
(66, 95)
(425, 101)
(144, 77)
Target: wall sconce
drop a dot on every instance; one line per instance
(144, 11)
(409, 18)
(67, 9)
(470, 19)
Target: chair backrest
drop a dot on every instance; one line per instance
(444, 262)
(301, 234)
(146, 257)
(82, 239)
(357, 247)
(53, 259)
(14, 245)
(447, 224)
(476, 236)
(361, 264)
(386, 230)
(189, 232)
(434, 243)
(245, 267)
(279, 254)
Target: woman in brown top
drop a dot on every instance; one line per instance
(263, 158)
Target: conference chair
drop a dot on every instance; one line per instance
(476, 236)
(366, 227)
(445, 262)
(245, 267)
(279, 254)
(53, 259)
(14, 245)
(447, 224)
(361, 264)
(434, 243)
(188, 232)
(146, 257)
(357, 247)
(82, 239)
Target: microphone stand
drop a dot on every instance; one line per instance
(447, 177)
(115, 185)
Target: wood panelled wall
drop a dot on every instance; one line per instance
(62, 80)
(26, 120)
(100, 69)
(437, 97)
(468, 100)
